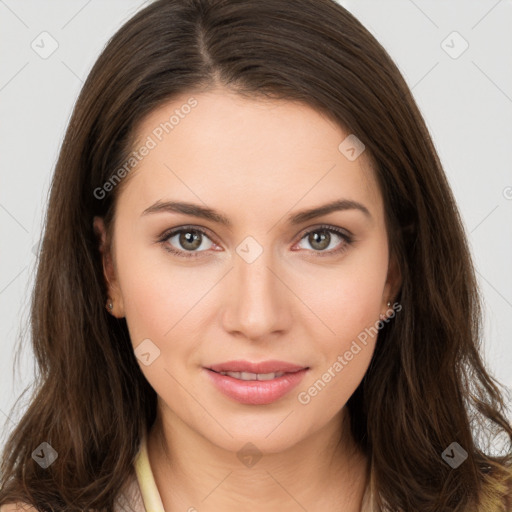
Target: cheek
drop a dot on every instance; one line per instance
(164, 302)
(158, 301)
(153, 294)
(348, 305)
(330, 387)
(348, 297)
(147, 295)
(343, 362)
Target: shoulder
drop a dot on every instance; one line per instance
(17, 507)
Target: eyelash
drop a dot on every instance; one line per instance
(347, 240)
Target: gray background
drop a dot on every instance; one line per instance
(465, 97)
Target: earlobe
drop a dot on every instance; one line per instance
(113, 303)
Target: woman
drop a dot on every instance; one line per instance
(254, 287)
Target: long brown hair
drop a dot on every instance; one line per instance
(426, 386)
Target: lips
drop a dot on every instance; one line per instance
(263, 367)
(266, 389)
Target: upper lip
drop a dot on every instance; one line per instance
(271, 366)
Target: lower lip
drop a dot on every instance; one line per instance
(256, 392)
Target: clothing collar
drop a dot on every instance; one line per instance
(149, 491)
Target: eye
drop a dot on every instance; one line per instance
(188, 239)
(320, 239)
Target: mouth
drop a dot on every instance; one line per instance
(253, 376)
(260, 368)
(258, 386)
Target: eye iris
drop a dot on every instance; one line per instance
(314, 239)
(190, 237)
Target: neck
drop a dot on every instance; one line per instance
(324, 471)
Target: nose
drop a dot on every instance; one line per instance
(258, 303)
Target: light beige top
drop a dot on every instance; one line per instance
(140, 493)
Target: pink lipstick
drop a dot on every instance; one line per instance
(256, 383)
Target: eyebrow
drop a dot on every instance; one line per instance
(214, 216)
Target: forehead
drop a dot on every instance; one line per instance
(220, 144)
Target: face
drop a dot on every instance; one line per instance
(268, 282)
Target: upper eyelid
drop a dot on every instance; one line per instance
(327, 227)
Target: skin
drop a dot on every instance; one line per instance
(256, 162)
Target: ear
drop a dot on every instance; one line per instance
(393, 285)
(109, 271)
